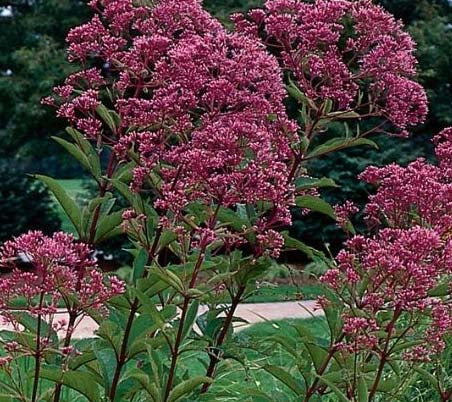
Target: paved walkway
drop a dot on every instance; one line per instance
(252, 313)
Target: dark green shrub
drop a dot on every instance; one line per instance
(25, 204)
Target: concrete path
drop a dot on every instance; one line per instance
(252, 313)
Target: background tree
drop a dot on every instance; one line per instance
(25, 204)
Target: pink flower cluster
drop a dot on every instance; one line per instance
(361, 334)
(402, 264)
(340, 49)
(201, 107)
(420, 193)
(57, 269)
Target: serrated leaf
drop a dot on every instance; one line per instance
(106, 359)
(69, 206)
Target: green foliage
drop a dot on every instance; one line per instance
(32, 62)
(25, 204)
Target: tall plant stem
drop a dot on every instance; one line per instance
(215, 355)
(122, 357)
(312, 389)
(37, 353)
(384, 355)
(175, 349)
(111, 166)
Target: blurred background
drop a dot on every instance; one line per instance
(33, 61)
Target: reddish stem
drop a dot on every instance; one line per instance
(215, 355)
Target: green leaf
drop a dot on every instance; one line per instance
(336, 144)
(192, 313)
(426, 376)
(333, 317)
(143, 379)
(291, 243)
(89, 151)
(106, 359)
(77, 380)
(109, 226)
(170, 278)
(362, 390)
(318, 354)
(286, 378)
(296, 93)
(441, 290)
(305, 183)
(315, 204)
(343, 115)
(341, 396)
(69, 206)
(187, 387)
(74, 151)
(139, 263)
(405, 345)
(231, 218)
(107, 117)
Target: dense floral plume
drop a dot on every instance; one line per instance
(341, 50)
(420, 193)
(404, 263)
(202, 108)
(58, 270)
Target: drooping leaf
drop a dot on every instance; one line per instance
(187, 387)
(286, 378)
(341, 396)
(77, 380)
